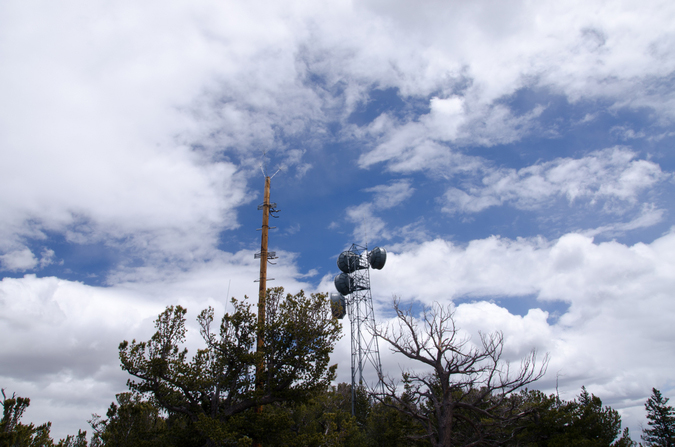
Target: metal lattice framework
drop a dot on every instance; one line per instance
(355, 279)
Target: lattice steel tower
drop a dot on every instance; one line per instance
(354, 297)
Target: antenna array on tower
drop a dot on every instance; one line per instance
(353, 285)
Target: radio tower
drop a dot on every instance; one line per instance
(353, 285)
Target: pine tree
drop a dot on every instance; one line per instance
(661, 431)
(215, 390)
(13, 433)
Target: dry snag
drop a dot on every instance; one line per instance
(465, 393)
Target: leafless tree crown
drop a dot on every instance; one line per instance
(464, 383)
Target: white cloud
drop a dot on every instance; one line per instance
(572, 269)
(611, 175)
(649, 215)
(626, 133)
(91, 124)
(60, 346)
(479, 53)
(100, 105)
(389, 196)
(19, 260)
(368, 226)
(421, 144)
(615, 336)
(576, 46)
(47, 257)
(137, 125)
(61, 336)
(607, 285)
(522, 334)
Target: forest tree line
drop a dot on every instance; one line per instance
(465, 396)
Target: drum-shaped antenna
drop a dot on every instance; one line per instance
(377, 258)
(343, 284)
(338, 305)
(349, 262)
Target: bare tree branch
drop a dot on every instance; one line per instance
(467, 392)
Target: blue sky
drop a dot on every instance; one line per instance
(515, 159)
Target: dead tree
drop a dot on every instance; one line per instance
(464, 393)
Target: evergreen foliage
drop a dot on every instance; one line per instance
(13, 433)
(325, 419)
(581, 422)
(218, 383)
(661, 416)
(131, 421)
(210, 398)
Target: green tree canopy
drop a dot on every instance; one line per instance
(218, 381)
(14, 433)
(661, 417)
(583, 422)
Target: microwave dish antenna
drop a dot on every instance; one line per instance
(354, 298)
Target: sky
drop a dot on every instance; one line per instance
(513, 157)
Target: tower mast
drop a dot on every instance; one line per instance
(262, 291)
(354, 281)
(268, 208)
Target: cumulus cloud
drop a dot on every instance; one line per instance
(421, 145)
(606, 284)
(522, 334)
(62, 336)
(612, 336)
(19, 260)
(61, 345)
(92, 130)
(408, 148)
(24, 259)
(47, 257)
(571, 269)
